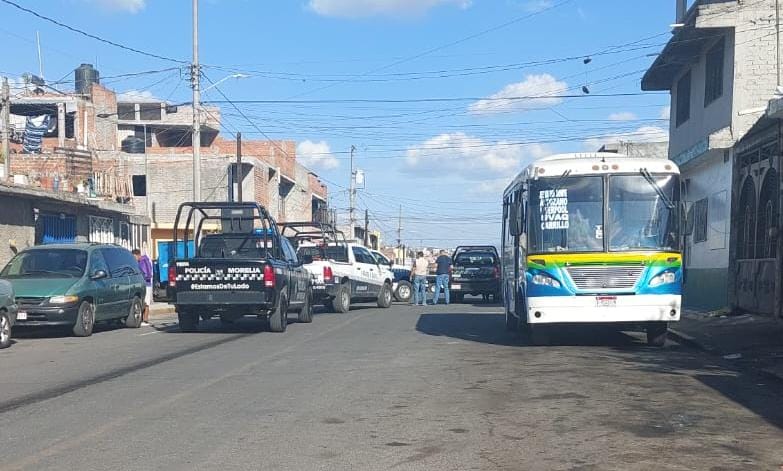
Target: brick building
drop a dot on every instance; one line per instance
(721, 67)
(137, 150)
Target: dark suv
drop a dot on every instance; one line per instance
(476, 271)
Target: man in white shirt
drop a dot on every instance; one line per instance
(419, 279)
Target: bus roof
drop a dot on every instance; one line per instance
(592, 163)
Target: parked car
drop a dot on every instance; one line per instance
(7, 313)
(76, 285)
(475, 271)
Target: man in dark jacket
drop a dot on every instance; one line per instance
(442, 276)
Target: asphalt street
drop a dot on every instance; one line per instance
(406, 388)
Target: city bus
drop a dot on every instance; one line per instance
(593, 238)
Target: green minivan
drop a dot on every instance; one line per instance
(76, 285)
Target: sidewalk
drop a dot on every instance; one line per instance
(161, 310)
(754, 340)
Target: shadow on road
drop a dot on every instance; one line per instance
(738, 382)
(491, 329)
(735, 381)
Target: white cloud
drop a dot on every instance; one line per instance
(470, 157)
(666, 112)
(137, 96)
(642, 134)
(365, 8)
(494, 186)
(622, 116)
(129, 6)
(543, 85)
(316, 155)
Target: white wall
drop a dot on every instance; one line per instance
(703, 120)
(711, 178)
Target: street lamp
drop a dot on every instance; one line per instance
(232, 76)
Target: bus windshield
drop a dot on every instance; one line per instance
(641, 216)
(567, 214)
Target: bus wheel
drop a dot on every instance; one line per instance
(656, 334)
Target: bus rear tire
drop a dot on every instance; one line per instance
(656, 334)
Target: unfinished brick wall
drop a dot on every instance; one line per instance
(104, 130)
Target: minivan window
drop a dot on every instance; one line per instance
(51, 263)
(97, 262)
(119, 265)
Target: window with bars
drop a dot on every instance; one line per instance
(101, 230)
(700, 220)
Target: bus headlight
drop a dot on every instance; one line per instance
(663, 279)
(545, 280)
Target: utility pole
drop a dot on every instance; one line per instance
(366, 228)
(352, 198)
(6, 126)
(239, 174)
(195, 77)
(399, 229)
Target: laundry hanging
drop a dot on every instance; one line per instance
(34, 131)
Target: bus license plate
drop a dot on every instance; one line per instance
(606, 301)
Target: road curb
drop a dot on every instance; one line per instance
(165, 312)
(693, 342)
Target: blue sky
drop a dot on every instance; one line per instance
(445, 162)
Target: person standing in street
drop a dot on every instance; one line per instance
(145, 265)
(442, 275)
(419, 279)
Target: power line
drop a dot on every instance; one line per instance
(90, 35)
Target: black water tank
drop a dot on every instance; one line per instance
(85, 76)
(133, 145)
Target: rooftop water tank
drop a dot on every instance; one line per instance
(85, 76)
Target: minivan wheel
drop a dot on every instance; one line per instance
(85, 320)
(133, 321)
(5, 330)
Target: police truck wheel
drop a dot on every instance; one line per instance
(342, 302)
(656, 334)
(306, 314)
(403, 292)
(188, 321)
(278, 320)
(385, 297)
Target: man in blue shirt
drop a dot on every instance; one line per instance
(442, 276)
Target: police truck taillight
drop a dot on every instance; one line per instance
(269, 276)
(172, 275)
(497, 272)
(328, 275)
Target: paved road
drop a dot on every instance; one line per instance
(405, 388)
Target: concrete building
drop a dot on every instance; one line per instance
(721, 67)
(647, 150)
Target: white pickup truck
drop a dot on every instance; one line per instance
(343, 273)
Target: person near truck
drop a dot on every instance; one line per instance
(419, 279)
(442, 274)
(145, 265)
